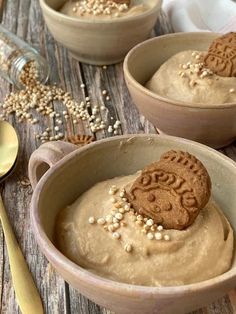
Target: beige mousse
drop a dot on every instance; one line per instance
(105, 11)
(172, 257)
(184, 78)
(85, 167)
(211, 124)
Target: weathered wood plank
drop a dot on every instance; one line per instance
(221, 306)
(232, 298)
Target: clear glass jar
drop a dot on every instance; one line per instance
(15, 54)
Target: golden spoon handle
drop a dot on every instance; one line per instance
(26, 292)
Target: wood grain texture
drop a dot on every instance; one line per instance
(24, 18)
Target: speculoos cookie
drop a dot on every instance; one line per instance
(171, 191)
(221, 56)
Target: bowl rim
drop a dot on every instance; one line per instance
(53, 254)
(78, 20)
(154, 95)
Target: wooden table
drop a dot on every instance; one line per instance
(24, 18)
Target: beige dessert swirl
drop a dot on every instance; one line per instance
(105, 9)
(103, 233)
(199, 77)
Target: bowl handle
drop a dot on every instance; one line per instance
(45, 157)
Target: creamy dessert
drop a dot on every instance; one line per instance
(199, 77)
(102, 9)
(104, 232)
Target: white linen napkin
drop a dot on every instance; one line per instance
(201, 15)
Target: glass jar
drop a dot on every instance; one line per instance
(15, 54)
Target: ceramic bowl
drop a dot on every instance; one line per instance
(78, 171)
(213, 125)
(98, 42)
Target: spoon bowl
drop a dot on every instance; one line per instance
(9, 147)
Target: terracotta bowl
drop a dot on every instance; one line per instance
(213, 125)
(70, 176)
(98, 42)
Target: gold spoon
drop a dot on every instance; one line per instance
(26, 292)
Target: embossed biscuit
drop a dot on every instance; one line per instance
(229, 38)
(80, 139)
(171, 191)
(122, 2)
(221, 56)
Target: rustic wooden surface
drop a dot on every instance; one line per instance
(24, 18)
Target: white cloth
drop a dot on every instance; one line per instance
(201, 15)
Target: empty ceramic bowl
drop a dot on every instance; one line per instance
(98, 41)
(213, 125)
(72, 175)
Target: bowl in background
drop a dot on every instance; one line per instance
(98, 42)
(69, 177)
(213, 125)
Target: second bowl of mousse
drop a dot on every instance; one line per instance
(184, 84)
(100, 32)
